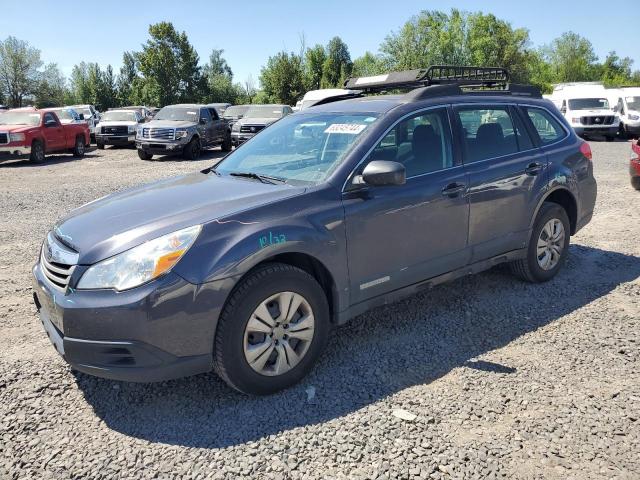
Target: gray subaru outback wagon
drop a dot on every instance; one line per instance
(245, 267)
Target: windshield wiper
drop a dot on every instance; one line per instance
(260, 177)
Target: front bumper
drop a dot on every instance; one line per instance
(158, 331)
(15, 149)
(607, 130)
(160, 148)
(632, 129)
(238, 138)
(116, 139)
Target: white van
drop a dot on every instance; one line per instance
(314, 96)
(586, 107)
(627, 106)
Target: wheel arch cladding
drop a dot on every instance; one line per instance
(566, 200)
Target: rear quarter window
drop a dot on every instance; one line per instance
(549, 129)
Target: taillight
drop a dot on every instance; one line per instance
(585, 149)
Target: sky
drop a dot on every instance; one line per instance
(68, 32)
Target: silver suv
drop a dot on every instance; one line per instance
(182, 130)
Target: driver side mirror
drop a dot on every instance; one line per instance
(82, 116)
(563, 109)
(382, 173)
(50, 123)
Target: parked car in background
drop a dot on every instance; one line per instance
(220, 107)
(634, 167)
(153, 111)
(38, 132)
(246, 266)
(91, 116)
(627, 106)
(144, 112)
(67, 115)
(587, 109)
(182, 130)
(118, 127)
(234, 113)
(256, 118)
(314, 96)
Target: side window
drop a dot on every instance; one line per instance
(522, 136)
(49, 120)
(488, 132)
(204, 113)
(548, 128)
(213, 113)
(620, 106)
(421, 143)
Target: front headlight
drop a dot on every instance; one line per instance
(236, 127)
(140, 264)
(16, 137)
(634, 117)
(180, 133)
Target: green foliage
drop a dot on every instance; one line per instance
(616, 71)
(19, 70)
(367, 65)
(51, 89)
(313, 67)
(282, 79)
(126, 78)
(337, 65)
(571, 58)
(91, 85)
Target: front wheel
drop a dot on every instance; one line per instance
(635, 182)
(192, 149)
(144, 155)
(272, 330)
(37, 152)
(548, 246)
(226, 144)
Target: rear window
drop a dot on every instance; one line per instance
(548, 128)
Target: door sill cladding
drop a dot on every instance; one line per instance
(375, 282)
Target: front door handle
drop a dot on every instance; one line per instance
(454, 189)
(533, 168)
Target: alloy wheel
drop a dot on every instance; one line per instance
(550, 244)
(278, 333)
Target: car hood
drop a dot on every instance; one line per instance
(117, 123)
(256, 121)
(16, 128)
(168, 124)
(117, 222)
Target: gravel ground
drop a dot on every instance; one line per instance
(484, 377)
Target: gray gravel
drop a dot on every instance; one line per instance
(496, 378)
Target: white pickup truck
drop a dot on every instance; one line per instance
(587, 108)
(627, 105)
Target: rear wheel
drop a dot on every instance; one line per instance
(144, 155)
(192, 149)
(37, 152)
(635, 182)
(79, 147)
(226, 144)
(272, 330)
(548, 246)
(622, 132)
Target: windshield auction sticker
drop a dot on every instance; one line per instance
(351, 128)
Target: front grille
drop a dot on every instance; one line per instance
(4, 137)
(58, 274)
(251, 128)
(599, 120)
(115, 130)
(158, 133)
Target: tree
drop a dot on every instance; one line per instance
(616, 71)
(19, 75)
(248, 90)
(313, 65)
(337, 66)
(571, 58)
(51, 88)
(218, 80)
(367, 65)
(128, 75)
(282, 79)
(217, 64)
(169, 67)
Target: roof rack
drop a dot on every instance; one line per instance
(477, 79)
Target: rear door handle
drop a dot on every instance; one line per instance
(533, 168)
(454, 189)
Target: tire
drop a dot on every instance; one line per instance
(610, 138)
(144, 155)
(622, 132)
(79, 147)
(37, 152)
(100, 145)
(192, 149)
(635, 182)
(226, 144)
(232, 340)
(530, 268)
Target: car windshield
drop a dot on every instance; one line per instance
(20, 118)
(264, 111)
(116, 116)
(588, 104)
(301, 149)
(178, 114)
(633, 103)
(235, 111)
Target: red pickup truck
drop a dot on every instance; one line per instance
(35, 133)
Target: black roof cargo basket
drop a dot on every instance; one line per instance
(477, 79)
